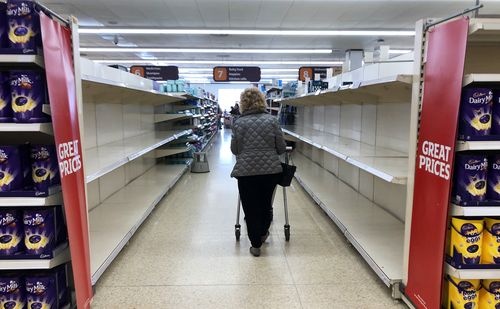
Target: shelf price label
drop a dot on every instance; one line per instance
(237, 74)
(156, 73)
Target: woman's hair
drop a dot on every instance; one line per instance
(251, 99)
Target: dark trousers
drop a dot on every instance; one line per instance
(256, 193)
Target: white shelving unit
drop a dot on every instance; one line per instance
(170, 117)
(474, 211)
(477, 145)
(51, 200)
(390, 165)
(62, 256)
(35, 60)
(160, 153)
(376, 234)
(43, 128)
(104, 159)
(472, 273)
(115, 221)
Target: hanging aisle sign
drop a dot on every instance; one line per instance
(434, 162)
(237, 74)
(157, 73)
(310, 72)
(59, 68)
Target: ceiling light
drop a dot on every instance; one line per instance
(233, 62)
(203, 50)
(399, 51)
(249, 32)
(196, 70)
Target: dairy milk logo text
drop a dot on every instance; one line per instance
(10, 287)
(481, 98)
(69, 158)
(3, 156)
(476, 165)
(38, 288)
(43, 154)
(37, 220)
(21, 10)
(23, 81)
(434, 159)
(8, 219)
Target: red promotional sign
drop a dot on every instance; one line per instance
(61, 84)
(435, 155)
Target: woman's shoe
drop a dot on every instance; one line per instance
(255, 251)
(264, 238)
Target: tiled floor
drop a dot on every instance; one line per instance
(185, 255)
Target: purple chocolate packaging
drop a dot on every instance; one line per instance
(47, 289)
(11, 171)
(11, 232)
(495, 125)
(475, 113)
(41, 291)
(5, 98)
(45, 169)
(23, 25)
(39, 232)
(12, 292)
(28, 96)
(493, 191)
(3, 25)
(470, 180)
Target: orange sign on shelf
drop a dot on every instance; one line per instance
(220, 74)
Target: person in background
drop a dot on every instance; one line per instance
(257, 141)
(235, 110)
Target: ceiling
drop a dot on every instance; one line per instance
(254, 14)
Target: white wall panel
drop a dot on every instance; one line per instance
(89, 125)
(332, 119)
(331, 163)
(109, 123)
(392, 126)
(350, 121)
(369, 124)
(391, 197)
(93, 195)
(319, 118)
(349, 174)
(132, 120)
(366, 184)
(111, 182)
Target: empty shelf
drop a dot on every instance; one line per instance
(115, 221)
(160, 153)
(392, 89)
(484, 30)
(44, 128)
(106, 158)
(390, 165)
(375, 233)
(112, 91)
(170, 117)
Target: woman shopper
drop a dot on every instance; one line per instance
(257, 142)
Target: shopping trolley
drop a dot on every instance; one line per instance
(237, 226)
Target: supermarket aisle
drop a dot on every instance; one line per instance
(185, 255)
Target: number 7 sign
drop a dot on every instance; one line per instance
(220, 74)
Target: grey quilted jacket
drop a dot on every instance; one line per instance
(257, 142)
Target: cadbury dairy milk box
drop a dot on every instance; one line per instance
(495, 125)
(11, 170)
(470, 178)
(12, 292)
(45, 169)
(23, 25)
(28, 96)
(5, 98)
(44, 229)
(493, 190)
(11, 231)
(3, 25)
(47, 289)
(475, 113)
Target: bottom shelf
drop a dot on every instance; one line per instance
(61, 256)
(115, 221)
(376, 234)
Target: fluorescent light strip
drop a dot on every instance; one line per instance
(199, 70)
(249, 32)
(215, 62)
(194, 75)
(203, 50)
